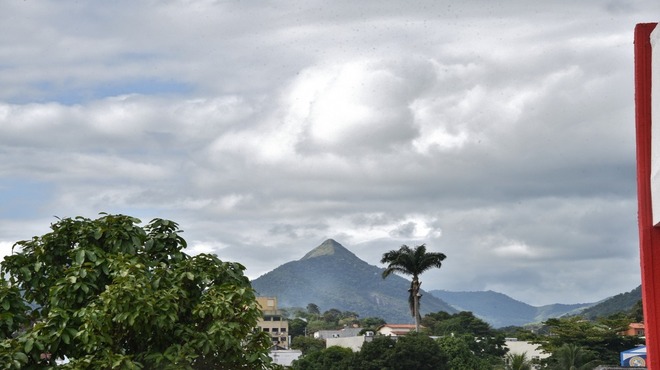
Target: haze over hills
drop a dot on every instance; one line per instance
(333, 277)
(500, 310)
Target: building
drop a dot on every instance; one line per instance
(341, 333)
(273, 323)
(354, 343)
(635, 329)
(285, 357)
(395, 330)
(531, 350)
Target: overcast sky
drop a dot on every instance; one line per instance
(500, 133)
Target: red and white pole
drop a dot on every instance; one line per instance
(649, 233)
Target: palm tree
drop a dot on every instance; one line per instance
(517, 361)
(573, 357)
(413, 262)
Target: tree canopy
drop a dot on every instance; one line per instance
(600, 339)
(107, 293)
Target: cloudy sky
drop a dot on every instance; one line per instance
(500, 133)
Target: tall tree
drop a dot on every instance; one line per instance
(413, 262)
(108, 293)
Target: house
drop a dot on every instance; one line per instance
(395, 330)
(635, 329)
(341, 333)
(273, 323)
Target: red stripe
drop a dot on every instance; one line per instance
(649, 236)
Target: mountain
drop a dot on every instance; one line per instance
(331, 276)
(500, 310)
(623, 302)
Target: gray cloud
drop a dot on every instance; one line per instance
(498, 133)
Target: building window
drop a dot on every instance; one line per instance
(275, 330)
(266, 330)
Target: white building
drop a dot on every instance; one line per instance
(530, 349)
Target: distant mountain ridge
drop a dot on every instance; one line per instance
(331, 276)
(500, 310)
(618, 303)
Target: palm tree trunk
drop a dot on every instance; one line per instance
(415, 293)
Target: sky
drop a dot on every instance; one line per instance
(500, 133)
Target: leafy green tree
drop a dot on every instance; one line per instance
(332, 316)
(297, 327)
(460, 356)
(110, 294)
(372, 322)
(307, 344)
(464, 322)
(600, 338)
(313, 309)
(637, 312)
(375, 355)
(412, 262)
(332, 358)
(484, 341)
(418, 351)
(518, 332)
(315, 325)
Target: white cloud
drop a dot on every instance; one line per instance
(495, 133)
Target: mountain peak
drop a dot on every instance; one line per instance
(327, 248)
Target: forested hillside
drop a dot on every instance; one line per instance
(333, 277)
(619, 303)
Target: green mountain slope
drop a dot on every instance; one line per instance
(623, 302)
(333, 277)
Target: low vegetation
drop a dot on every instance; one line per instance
(465, 342)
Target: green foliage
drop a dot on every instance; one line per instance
(521, 333)
(371, 324)
(443, 323)
(572, 357)
(485, 342)
(13, 310)
(636, 313)
(413, 262)
(602, 339)
(414, 351)
(624, 302)
(112, 294)
(307, 344)
(461, 357)
(313, 309)
(375, 355)
(297, 327)
(418, 351)
(517, 361)
(332, 358)
(302, 322)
